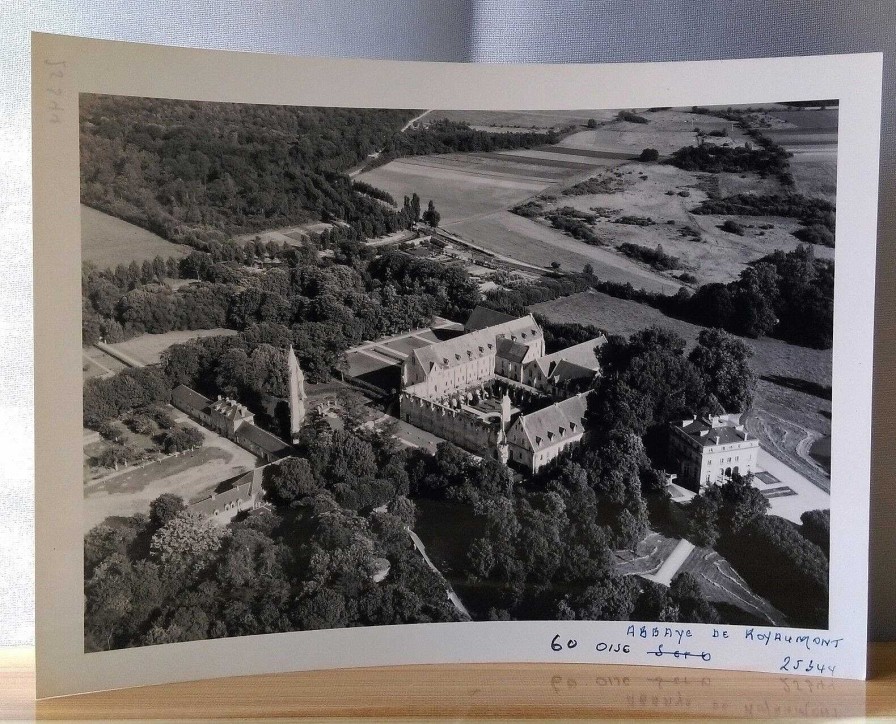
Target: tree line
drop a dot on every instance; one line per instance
(321, 308)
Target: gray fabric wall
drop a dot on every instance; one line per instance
(446, 30)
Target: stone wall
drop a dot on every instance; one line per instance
(456, 426)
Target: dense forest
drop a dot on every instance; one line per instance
(196, 171)
(788, 295)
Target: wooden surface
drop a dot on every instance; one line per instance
(470, 693)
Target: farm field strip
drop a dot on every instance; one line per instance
(528, 241)
(586, 152)
(108, 241)
(539, 158)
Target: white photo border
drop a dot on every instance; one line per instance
(63, 67)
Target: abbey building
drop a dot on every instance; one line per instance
(494, 391)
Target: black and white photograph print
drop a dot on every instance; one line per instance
(353, 367)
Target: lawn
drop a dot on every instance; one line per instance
(721, 584)
(107, 241)
(148, 348)
(189, 475)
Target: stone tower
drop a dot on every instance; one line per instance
(297, 395)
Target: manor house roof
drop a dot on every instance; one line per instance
(230, 409)
(559, 422)
(564, 371)
(478, 344)
(511, 350)
(716, 430)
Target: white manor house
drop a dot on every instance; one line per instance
(494, 392)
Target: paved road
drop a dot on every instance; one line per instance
(119, 355)
(452, 596)
(411, 122)
(670, 566)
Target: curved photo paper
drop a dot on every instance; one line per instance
(352, 363)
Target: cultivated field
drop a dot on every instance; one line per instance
(666, 131)
(792, 407)
(811, 136)
(148, 348)
(107, 241)
(528, 241)
(475, 191)
(521, 120)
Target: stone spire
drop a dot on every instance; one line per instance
(297, 394)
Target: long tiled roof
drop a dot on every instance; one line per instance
(183, 396)
(478, 344)
(262, 438)
(561, 421)
(565, 371)
(583, 355)
(482, 317)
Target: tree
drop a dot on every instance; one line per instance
(165, 508)
(592, 123)
(180, 438)
(415, 206)
(693, 607)
(118, 454)
(189, 541)
(817, 528)
(555, 265)
(723, 362)
(431, 216)
(588, 269)
(649, 154)
(703, 512)
(612, 598)
(742, 502)
(292, 481)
